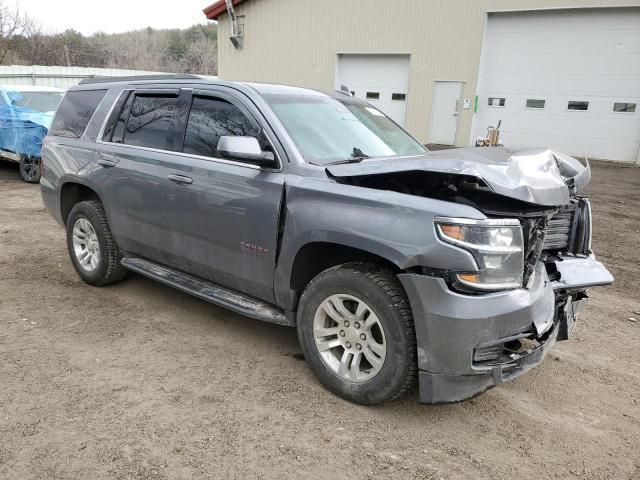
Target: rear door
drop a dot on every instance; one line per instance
(135, 154)
(222, 215)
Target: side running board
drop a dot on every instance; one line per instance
(210, 292)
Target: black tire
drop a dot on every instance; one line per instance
(30, 168)
(382, 292)
(109, 269)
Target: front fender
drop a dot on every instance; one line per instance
(395, 226)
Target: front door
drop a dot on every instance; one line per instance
(444, 113)
(222, 215)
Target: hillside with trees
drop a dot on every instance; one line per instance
(192, 50)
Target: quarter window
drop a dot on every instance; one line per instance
(151, 121)
(535, 103)
(75, 111)
(211, 118)
(497, 101)
(624, 107)
(578, 105)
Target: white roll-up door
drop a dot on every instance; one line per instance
(565, 79)
(382, 80)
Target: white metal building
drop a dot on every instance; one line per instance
(558, 73)
(59, 77)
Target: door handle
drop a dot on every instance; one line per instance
(180, 179)
(107, 160)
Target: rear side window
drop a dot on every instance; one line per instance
(117, 118)
(152, 121)
(74, 112)
(211, 118)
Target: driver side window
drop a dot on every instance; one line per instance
(211, 118)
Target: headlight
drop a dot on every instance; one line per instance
(496, 245)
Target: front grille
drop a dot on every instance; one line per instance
(559, 230)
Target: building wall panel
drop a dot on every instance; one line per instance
(297, 41)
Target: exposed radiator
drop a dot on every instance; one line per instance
(570, 229)
(558, 231)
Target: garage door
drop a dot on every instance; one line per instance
(382, 80)
(566, 79)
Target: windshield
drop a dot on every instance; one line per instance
(328, 130)
(44, 102)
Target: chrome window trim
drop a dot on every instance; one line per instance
(187, 155)
(182, 154)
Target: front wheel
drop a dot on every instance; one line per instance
(30, 168)
(356, 331)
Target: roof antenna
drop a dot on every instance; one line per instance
(235, 38)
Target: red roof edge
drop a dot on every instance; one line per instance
(214, 11)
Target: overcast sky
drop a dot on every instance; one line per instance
(91, 16)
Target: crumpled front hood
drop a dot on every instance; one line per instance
(541, 177)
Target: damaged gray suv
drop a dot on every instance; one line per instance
(456, 269)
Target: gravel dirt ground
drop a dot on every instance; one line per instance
(138, 380)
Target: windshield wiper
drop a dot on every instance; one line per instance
(348, 160)
(359, 154)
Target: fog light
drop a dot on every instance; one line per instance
(486, 354)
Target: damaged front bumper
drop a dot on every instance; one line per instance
(468, 344)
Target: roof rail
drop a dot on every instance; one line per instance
(169, 76)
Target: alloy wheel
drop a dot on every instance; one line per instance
(85, 245)
(349, 337)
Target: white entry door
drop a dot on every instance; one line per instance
(444, 113)
(381, 80)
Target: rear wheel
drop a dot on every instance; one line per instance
(356, 330)
(92, 249)
(30, 168)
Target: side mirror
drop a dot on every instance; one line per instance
(245, 149)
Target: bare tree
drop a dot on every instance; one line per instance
(23, 41)
(138, 50)
(201, 57)
(13, 24)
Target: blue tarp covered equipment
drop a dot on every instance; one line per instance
(22, 129)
